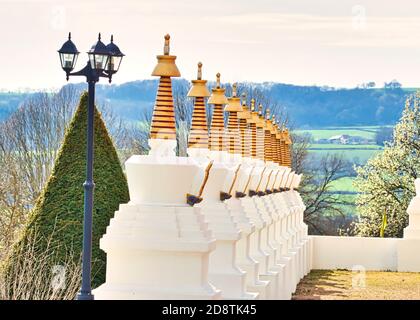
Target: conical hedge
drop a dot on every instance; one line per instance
(57, 218)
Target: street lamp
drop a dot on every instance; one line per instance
(104, 61)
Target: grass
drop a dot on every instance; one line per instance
(343, 184)
(346, 285)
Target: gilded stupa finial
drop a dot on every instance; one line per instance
(218, 80)
(166, 47)
(234, 90)
(260, 110)
(267, 114)
(199, 71)
(244, 100)
(252, 104)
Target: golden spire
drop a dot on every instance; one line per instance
(288, 148)
(268, 156)
(253, 120)
(217, 128)
(283, 146)
(163, 120)
(245, 131)
(279, 138)
(199, 136)
(233, 137)
(275, 141)
(260, 134)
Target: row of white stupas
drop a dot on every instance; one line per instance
(225, 222)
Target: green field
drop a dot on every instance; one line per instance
(343, 184)
(357, 153)
(342, 188)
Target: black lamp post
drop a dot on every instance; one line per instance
(104, 61)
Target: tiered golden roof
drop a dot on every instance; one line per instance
(288, 148)
(163, 120)
(275, 136)
(199, 136)
(283, 146)
(268, 148)
(233, 108)
(253, 120)
(245, 131)
(260, 134)
(217, 128)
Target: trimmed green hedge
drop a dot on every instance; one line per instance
(57, 218)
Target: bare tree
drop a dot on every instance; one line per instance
(183, 113)
(322, 206)
(300, 147)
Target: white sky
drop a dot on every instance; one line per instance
(323, 42)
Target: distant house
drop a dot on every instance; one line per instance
(340, 139)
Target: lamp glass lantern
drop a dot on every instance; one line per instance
(115, 57)
(98, 55)
(68, 55)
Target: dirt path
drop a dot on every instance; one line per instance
(346, 285)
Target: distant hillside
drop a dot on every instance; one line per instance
(9, 102)
(308, 106)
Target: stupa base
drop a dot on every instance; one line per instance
(129, 292)
(157, 252)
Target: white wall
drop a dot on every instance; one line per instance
(346, 252)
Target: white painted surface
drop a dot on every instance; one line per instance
(346, 252)
(408, 248)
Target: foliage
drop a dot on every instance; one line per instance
(59, 209)
(386, 182)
